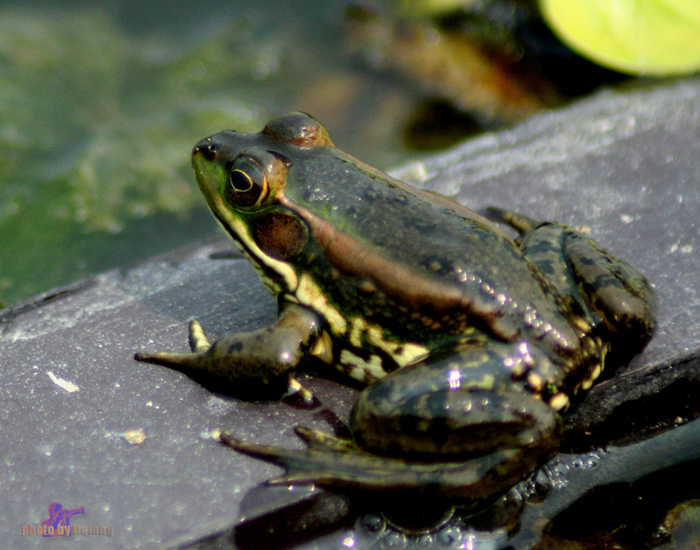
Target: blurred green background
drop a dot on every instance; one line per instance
(102, 101)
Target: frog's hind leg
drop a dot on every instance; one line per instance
(619, 293)
(596, 281)
(440, 431)
(581, 269)
(413, 494)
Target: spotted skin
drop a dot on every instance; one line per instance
(470, 343)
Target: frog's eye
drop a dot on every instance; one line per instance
(247, 184)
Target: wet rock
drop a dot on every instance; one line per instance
(72, 397)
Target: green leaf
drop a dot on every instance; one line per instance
(648, 37)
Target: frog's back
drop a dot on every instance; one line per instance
(424, 264)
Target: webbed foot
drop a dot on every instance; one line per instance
(338, 464)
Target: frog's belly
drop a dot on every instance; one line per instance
(364, 354)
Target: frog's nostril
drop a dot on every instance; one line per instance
(206, 148)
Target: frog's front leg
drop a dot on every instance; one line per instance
(456, 428)
(253, 364)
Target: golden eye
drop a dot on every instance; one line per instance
(241, 181)
(247, 183)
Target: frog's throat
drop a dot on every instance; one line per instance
(263, 263)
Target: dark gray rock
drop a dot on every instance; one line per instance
(70, 447)
(625, 165)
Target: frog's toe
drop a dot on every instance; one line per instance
(302, 466)
(522, 224)
(295, 388)
(199, 344)
(321, 440)
(325, 466)
(198, 339)
(177, 361)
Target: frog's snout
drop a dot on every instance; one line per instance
(206, 148)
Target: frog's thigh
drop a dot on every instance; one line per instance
(610, 286)
(459, 406)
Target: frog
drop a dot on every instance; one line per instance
(469, 333)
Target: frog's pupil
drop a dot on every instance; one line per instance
(241, 181)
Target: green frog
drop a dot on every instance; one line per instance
(470, 343)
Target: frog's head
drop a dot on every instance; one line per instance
(243, 177)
